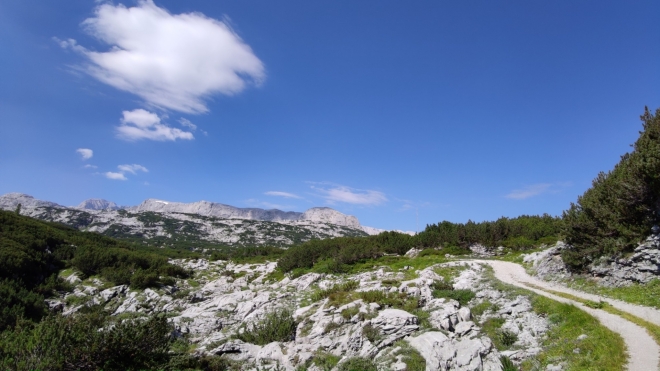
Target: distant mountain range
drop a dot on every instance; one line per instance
(195, 224)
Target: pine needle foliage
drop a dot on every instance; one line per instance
(622, 205)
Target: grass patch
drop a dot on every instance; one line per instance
(357, 364)
(193, 283)
(274, 276)
(461, 296)
(390, 283)
(336, 289)
(507, 364)
(484, 306)
(372, 333)
(602, 350)
(493, 328)
(306, 328)
(397, 300)
(325, 361)
(423, 318)
(278, 325)
(643, 294)
(348, 313)
(651, 328)
(331, 326)
(411, 357)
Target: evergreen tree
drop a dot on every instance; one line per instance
(622, 205)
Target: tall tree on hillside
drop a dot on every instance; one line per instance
(622, 205)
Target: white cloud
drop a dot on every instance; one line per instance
(88, 166)
(142, 124)
(133, 169)
(186, 123)
(282, 194)
(85, 153)
(115, 176)
(123, 170)
(529, 191)
(172, 61)
(339, 193)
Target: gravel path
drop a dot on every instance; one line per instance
(643, 351)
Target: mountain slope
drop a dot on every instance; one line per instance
(192, 225)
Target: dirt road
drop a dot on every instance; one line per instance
(643, 351)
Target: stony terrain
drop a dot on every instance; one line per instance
(642, 266)
(163, 223)
(224, 299)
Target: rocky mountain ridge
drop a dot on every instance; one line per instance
(164, 223)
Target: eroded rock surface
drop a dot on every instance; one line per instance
(223, 299)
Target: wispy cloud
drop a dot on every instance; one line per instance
(172, 61)
(88, 166)
(123, 170)
(536, 190)
(85, 153)
(187, 123)
(142, 124)
(339, 193)
(115, 176)
(133, 169)
(282, 194)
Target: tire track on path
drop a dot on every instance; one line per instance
(643, 351)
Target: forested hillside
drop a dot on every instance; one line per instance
(516, 233)
(622, 205)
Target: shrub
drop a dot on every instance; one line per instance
(372, 333)
(507, 364)
(325, 361)
(507, 338)
(622, 205)
(76, 343)
(390, 299)
(444, 289)
(17, 302)
(357, 364)
(278, 325)
(340, 287)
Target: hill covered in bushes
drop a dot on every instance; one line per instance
(337, 253)
(622, 205)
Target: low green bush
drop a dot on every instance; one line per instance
(444, 289)
(507, 364)
(277, 325)
(397, 300)
(357, 364)
(340, 287)
(86, 342)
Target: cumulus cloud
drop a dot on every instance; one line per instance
(133, 169)
(85, 153)
(282, 194)
(536, 189)
(141, 124)
(115, 176)
(339, 193)
(172, 61)
(186, 123)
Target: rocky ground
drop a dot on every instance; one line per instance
(390, 317)
(642, 266)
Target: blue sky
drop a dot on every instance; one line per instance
(379, 109)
